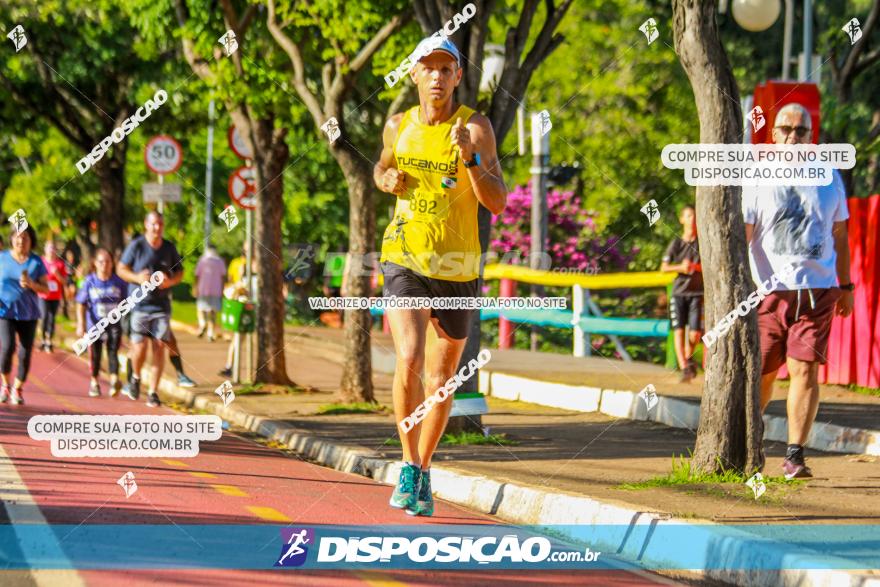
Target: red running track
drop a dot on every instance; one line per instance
(231, 481)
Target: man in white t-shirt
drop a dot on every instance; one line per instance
(798, 233)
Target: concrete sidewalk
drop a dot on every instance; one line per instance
(565, 466)
(847, 422)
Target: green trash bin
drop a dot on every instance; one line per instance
(238, 316)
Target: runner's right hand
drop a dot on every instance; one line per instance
(145, 275)
(80, 330)
(394, 181)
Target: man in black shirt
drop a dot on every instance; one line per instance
(686, 305)
(151, 317)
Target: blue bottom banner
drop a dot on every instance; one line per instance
(652, 546)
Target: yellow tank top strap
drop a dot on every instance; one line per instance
(407, 119)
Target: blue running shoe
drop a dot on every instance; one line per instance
(184, 381)
(407, 491)
(425, 503)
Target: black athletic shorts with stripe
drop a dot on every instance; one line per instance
(406, 283)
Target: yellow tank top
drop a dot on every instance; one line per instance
(434, 229)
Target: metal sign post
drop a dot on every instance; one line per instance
(249, 227)
(161, 205)
(539, 169)
(209, 177)
(242, 190)
(248, 202)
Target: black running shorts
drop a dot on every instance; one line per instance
(405, 283)
(686, 311)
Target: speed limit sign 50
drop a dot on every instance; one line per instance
(163, 155)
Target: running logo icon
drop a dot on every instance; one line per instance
(229, 216)
(652, 211)
(229, 42)
(294, 550)
(302, 260)
(331, 128)
(18, 220)
(757, 118)
(19, 39)
(649, 396)
(128, 484)
(546, 125)
(854, 30)
(225, 392)
(649, 28)
(756, 484)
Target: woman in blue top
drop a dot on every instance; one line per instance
(22, 276)
(102, 291)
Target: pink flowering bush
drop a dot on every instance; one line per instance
(572, 241)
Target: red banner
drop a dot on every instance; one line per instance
(854, 344)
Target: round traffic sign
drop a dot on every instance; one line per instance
(237, 144)
(243, 188)
(163, 155)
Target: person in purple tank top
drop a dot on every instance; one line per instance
(102, 291)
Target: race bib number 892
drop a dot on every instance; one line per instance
(429, 206)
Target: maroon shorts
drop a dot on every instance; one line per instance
(799, 331)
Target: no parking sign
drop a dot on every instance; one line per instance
(243, 188)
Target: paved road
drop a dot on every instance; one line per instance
(232, 481)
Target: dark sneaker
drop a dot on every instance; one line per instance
(407, 491)
(425, 504)
(16, 396)
(133, 389)
(796, 470)
(226, 372)
(49, 347)
(94, 390)
(184, 381)
(153, 400)
(686, 375)
(202, 332)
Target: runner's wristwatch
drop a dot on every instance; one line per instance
(848, 286)
(475, 160)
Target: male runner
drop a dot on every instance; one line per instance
(151, 317)
(439, 160)
(183, 380)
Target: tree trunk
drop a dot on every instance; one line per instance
(357, 369)
(111, 179)
(271, 363)
(731, 428)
